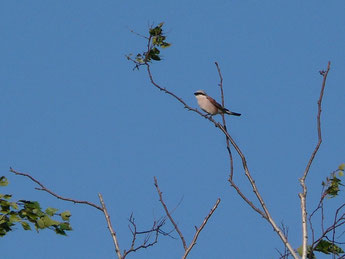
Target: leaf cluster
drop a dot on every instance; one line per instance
(27, 213)
(323, 246)
(156, 42)
(333, 183)
(327, 247)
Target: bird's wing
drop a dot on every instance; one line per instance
(213, 101)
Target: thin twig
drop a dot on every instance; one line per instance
(169, 215)
(111, 230)
(319, 102)
(138, 34)
(155, 228)
(198, 230)
(319, 207)
(303, 195)
(232, 182)
(224, 122)
(43, 188)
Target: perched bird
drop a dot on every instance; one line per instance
(209, 105)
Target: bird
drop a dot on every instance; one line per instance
(209, 105)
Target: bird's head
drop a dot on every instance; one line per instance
(200, 92)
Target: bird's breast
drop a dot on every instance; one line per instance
(207, 106)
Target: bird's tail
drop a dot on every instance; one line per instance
(231, 113)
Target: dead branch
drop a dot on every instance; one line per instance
(111, 230)
(232, 182)
(303, 195)
(169, 214)
(224, 122)
(198, 230)
(156, 229)
(43, 188)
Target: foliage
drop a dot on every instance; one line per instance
(325, 244)
(328, 247)
(27, 213)
(333, 183)
(156, 41)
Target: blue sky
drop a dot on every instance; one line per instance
(78, 118)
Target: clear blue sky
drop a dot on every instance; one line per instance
(77, 117)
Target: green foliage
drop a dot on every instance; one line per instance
(3, 181)
(309, 255)
(323, 246)
(327, 247)
(28, 213)
(65, 215)
(333, 183)
(156, 41)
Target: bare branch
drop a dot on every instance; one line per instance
(198, 230)
(111, 230)
(303, 195)
(319, 102)
(265, 213)
(138, 34)
(224, 122)
(156, 228)
(319, 207)
(232, 182)
(169, 215)
(43, 188)
(338, 221)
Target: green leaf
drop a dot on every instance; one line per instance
(48, 221)
(156, 30)
(25, 225)
(66, 215)
(334, 186)
(7, 196)
(165, 45)
(14, 205)
(65, 226)
(155, 57)
(40, 224)
(3, 181)
(341, 167)
(60, 231)
(2, 220)
(341, 173)
(327, 247)
(51, 211)
(5, 206)
(14, 218)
